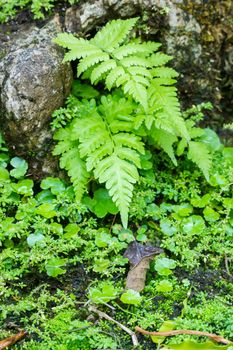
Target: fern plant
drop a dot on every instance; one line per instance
(107, 136)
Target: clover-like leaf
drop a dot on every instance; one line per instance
(210, 214)
(164, 266)
(104, 294)
(45, 196)
(71, 230)
(4, 175)
(46, 210)
(20, 167)
(167, 227)
(23, 187)
(102, 239)
(131, 297)
(194, 224)
(34, 238)
(54, 267)
(55, 185)
(101, 204)
(164, 286)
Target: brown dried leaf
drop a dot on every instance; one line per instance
(139, 256)
(137, 251)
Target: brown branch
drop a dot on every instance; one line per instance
(107, 317)
(215, 337)
(5, 343)
(227, 260)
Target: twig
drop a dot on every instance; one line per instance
(227, 260)
(215, 337)
(107, 317)
(5, 343)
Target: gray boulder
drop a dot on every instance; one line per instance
(33, 83)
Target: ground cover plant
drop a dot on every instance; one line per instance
(140, 171)
(10, 8)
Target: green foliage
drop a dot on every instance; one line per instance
(102, 295)
(191, 345)
(166, 326)
(164, 266)
(131, 297)
(54, 267)
(164, 286)
(105, 138)
(101, 204)
(10, 8)
(57, 258)
(103, 149)
(20, 167)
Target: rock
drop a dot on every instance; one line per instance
(33, 83)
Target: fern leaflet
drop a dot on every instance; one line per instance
(198, 152)
(71, 161)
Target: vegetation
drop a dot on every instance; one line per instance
(124, 125)
(10, 8)
(168, 184)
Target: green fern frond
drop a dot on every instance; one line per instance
(119, 176)
(114, 108)
(90, 61)
(164, 72)
(120, 125)
(165, 101)
(75, 53)
(113, 34)
(199, 154)
(181, 147)
(129, 154)
(129, 140)
(138, 121)
(67, 40)
(79, 47)
(165, 81)
(77, 171)
(135, 61)
(165, 140)
(138, 91)
(93, 159)
(142, 80)
(106, 136)
(149, 120)
(113, 76)
(81, 129)
(93, 140)
(139, 71)
(133, 48)
(159, 59)
(70, 161)
(122, 80)
(104, 67)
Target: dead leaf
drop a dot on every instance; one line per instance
(137, 251)
(139, 256)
